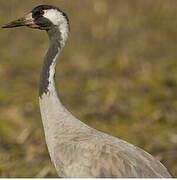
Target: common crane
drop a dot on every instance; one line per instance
(76, 149)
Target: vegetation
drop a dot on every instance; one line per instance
(117, 73)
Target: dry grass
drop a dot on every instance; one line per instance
(118, 73)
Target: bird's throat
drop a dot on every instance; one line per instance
(47, 76)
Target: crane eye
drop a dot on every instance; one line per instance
(41, 12)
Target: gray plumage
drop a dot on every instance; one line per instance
(76, 149)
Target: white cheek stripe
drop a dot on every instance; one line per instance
(59, 20)
(52, 15)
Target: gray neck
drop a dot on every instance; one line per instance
(47, 76)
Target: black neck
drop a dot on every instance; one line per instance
(55, 47)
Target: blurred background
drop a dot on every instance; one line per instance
(117, 73)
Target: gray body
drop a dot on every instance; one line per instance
(76, 149)
(81, 151)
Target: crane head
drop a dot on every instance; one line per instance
(42, 17)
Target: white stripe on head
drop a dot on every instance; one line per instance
(58, 19)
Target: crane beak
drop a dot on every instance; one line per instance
(27, 20)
